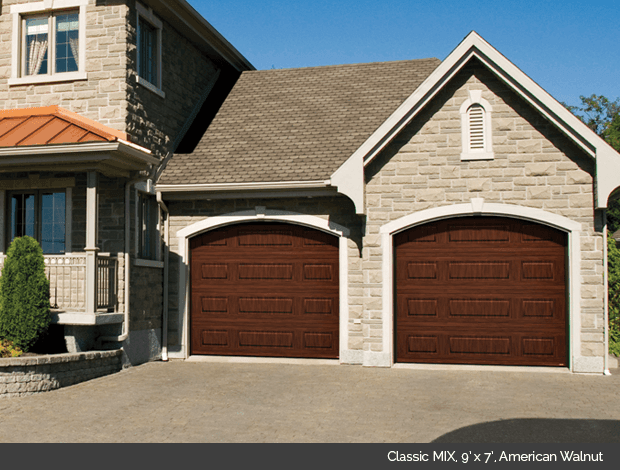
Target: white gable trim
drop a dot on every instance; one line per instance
(474, 46)
(260, 213)
(478, 207)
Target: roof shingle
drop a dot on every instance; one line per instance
(296, 124)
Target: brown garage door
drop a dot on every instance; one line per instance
(265, 290)
(481, 290)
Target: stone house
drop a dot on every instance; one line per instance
(94, 95)
(423, 211)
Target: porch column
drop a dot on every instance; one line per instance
(91, 242)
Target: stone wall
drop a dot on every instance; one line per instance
(146, 302)
(154, 122)
(103, 96)
(21, 376)
(534, 166)
(111, 95)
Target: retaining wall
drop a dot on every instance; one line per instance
(28, 375)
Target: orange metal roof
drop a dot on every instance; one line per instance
(51, 125)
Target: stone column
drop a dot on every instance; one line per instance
(91, 242)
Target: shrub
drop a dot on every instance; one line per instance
(613, 257)
(24, 294)
(7, 349)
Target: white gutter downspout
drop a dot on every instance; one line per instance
(606, 293)
(164, 334)
(125, 334)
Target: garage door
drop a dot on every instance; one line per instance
(265, 290)
(481, 290)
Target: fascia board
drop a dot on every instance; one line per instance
(285, 185)
(92, 152)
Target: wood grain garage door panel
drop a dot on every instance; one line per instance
(481, 290)
(265, 289)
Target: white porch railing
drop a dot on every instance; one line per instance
(67, 276)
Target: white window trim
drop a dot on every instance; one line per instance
(475, 98)
(148, 15)
(46, 7)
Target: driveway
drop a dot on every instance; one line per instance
(228, 402)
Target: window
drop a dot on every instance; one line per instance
(149, 50)
(147, 225)
(48, 46)
(39, 214)
(42, 54)
(476, 128)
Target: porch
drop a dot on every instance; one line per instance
(73, 299)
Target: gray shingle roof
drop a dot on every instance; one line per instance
(296, 124)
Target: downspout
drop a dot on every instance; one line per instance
(125, 334)
(606, 293)
(164, 333)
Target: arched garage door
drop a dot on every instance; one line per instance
(481, 290)
(265, 289)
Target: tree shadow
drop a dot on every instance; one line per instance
(537, 430)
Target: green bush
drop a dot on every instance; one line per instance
(24, 294)
(613, 257)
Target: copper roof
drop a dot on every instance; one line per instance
(51, 125)
(296, 124)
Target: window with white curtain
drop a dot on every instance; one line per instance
(50, 44)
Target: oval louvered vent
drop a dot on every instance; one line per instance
(476, 127)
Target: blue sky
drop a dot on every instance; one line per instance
(568, 47)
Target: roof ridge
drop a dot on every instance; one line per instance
(356, 64)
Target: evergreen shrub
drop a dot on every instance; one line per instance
(24, 294)
(613, 258)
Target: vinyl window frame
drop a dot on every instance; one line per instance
(147, 15)
(48, 9)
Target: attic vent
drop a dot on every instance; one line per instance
(476, 127)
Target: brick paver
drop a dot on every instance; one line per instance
(217, 402)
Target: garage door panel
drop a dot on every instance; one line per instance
(475, 347)
(265, 290)
(481, 290)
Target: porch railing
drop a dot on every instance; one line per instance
(67, 276)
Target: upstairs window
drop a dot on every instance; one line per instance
(48, 45)
(45, 54)
(149, 50)
(476, 128)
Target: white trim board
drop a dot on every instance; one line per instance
(260, 213)
(478, 207)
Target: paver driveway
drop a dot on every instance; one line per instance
(224, 402)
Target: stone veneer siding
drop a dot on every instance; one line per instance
(146, 302)
(103, 96)
(21, 376)
(154, 122)
(110, 95)
(534, 166)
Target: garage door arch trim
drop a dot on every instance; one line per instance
(478, 207)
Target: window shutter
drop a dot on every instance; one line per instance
(476, 127)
